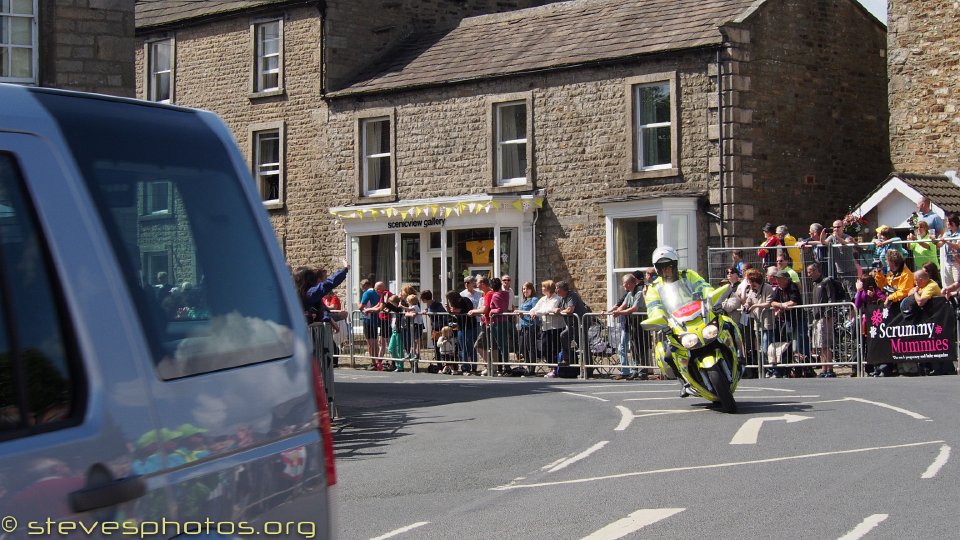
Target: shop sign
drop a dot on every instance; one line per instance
(432, 222)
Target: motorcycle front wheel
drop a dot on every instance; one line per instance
(721, 387)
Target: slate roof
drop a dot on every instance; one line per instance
(155, 13)
(553, 36)
(941, 190)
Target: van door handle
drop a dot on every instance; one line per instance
(110, 494)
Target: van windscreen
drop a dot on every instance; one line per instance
(183, 233)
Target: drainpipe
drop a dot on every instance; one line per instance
(722, 212)
(322, 8)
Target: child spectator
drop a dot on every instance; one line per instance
(447, 347)
(416, 326)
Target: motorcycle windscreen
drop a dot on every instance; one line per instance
(679, 301)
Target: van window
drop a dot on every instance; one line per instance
(37, 386)
(198, 268)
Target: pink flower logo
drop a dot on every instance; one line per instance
(938, 330)
(876, 318)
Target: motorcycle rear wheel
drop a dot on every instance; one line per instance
(721, 387)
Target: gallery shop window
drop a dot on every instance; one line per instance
(160, 71)
(268, 56)
(18, 41)
(510, 121)
(376, 163)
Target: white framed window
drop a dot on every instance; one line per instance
(636, 228)
(160, 71)
(652, 103)
(18, 41)
(157, 198)
(155, 262)
(376, 160)
(653, 129)
(267, 159)
(267, 56)
(510, 121)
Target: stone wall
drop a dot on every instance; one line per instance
(359, 32)
(88, 45)
(808, 110)
(580, 153)
(924, 69)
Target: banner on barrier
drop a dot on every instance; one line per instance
(928, 335)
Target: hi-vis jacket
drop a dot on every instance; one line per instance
(699, 286)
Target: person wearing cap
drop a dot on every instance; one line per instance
(788, 325)
(771, 240)
(884, 243)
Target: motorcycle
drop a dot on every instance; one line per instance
(699, 342)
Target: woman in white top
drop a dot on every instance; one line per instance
(550, 323)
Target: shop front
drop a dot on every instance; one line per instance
(432, 244)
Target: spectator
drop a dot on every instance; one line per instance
(551, 324)
(737, 256)
(788, 326)
(920, 294)
(813, 244)
(650, 275)
(884, 242)
(528, 327)
(730, 301)
(446, 348)
(470, 292)
(868, 296)
(843, 250)
(757, 304)
(933, 271)
(507, 283)
(571, 306)
(927, 215)
(771, 240)
(786, 264)
(467, 326)
(383, 316)
(629, 326)
(790, 241)
(924, 249)
(369, 299)
(496, 302)
(313, 285)
(898, 281)
(436, 316)
(950, 265)
(482, 344)
(826, 290)
(772, 275)
(415, 321)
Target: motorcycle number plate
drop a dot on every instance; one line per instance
(690, 309)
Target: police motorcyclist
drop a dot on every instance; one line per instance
(665, 260)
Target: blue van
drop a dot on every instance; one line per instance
(156, 376)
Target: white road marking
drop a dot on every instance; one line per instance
(671, 391)
(587, 396)
(750, 430)
(756, 388)
(864, 527)
(911, 414)
(564, 463)
(938, 463)
(401, 530)
(715, 466)
(751, 397)
(632, 523)
(627, 416)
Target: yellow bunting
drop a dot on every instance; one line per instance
(434, 209)
(359, 214)
(374, 213)
(538, 202)
(447, 212)
(495, 204)
(518, 204)
(404, 214)
(417, 211)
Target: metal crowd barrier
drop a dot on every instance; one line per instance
(324, 349)
(799, 338)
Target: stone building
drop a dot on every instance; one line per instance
(924, 71)
(561, 141)
(85, 45)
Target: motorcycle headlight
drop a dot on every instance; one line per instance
(689, 341)
(710, 331)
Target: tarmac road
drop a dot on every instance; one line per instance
(433, 456)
